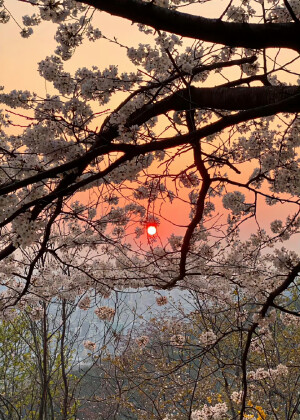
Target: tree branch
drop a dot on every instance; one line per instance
(270, 99)
(269, 302)
(223, 98)
(232, 34)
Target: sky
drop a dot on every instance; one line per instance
(19, 58)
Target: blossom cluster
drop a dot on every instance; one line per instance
(105, 313)
(177, 340)
(142, 341)
(89, 345)
(290, 320)
(216, 412)
(207, 338)
(282, 14)
(84, 303)
(235, 201)
(4, 15)
(237, 396)
(57, 12)
(161, 300)
(261, 373)
(26, 231)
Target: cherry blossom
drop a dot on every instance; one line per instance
(200, 136)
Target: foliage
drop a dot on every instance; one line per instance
(35, 362)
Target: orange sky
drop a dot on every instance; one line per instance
(19, 58)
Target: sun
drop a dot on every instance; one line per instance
(151, 230)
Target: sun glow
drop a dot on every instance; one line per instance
(151, 230)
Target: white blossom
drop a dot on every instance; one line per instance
(105, 313)
(217, 412)
(207, 338)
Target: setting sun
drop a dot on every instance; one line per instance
(151, 230)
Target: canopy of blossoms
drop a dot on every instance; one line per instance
(208, 123)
